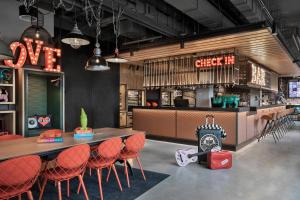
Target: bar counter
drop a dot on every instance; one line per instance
(242, 124)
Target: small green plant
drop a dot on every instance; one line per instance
(83, 120)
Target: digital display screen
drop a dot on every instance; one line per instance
(294, 89)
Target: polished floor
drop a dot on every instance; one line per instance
(261, 171)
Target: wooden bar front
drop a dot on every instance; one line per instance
(241, 125)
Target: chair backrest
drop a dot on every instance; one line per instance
(74, 157)
(135, 143)
(110, 148)
(19, 171)
(10, 137)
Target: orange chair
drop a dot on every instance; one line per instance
(105, 157)
(133, 145)
(69, 164)
(10, 137)
(18, 175)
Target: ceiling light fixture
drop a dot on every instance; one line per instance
(75, 38)
(36, 31)
(97, 62)
(116, 24)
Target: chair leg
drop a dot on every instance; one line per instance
(20, 197)
(79, 184)
(29, 195)
(90, 171)
(68, 188)
(83, 187)
(126, 173)
(59, 190)
(99, 174)
(117, 177)
(141, 167)
(43, 188)
(108, 174)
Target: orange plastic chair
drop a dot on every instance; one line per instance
(133, 145)
(69, 164)
(10, 137)
(105, 156)
(18, 175)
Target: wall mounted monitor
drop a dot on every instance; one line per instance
(294, 89)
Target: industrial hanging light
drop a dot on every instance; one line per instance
(116, 24)
(97, 62)
(5, 51)
(36, 30)
(75, 38)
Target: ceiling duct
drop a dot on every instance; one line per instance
(250, 9)
(203, 12)
(29, 16)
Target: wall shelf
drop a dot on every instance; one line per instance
(8, 117)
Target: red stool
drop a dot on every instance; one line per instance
(18, 175)
(133, 145)
(10, 137)
(105, 156)
(69, 164)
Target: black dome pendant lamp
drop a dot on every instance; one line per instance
(97, 62)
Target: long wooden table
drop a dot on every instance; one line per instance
(29, 146)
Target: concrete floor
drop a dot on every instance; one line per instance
(261, 171)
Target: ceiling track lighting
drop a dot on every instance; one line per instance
(116, 24)
(97, 62)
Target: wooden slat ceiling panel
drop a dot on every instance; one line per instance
(259, 45)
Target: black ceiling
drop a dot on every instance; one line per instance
(161, 21)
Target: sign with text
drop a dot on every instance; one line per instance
(258, 75)
(32, 49)
(215, 61)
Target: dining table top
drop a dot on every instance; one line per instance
(29, 146)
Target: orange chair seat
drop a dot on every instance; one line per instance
(59, 173)
(127, 155)
(99, 163)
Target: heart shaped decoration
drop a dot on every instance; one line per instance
(44, 120)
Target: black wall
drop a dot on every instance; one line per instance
(96, 92)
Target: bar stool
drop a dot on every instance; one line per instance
(133, 145)
(105, 156)
(18, 175)
(69, 164)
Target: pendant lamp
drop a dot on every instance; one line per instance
(116, 58)
(116, 24)
(75, 38)
(96, 62)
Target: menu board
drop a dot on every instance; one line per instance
(294, 89)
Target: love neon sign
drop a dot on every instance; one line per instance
(215, 61)
(50, 59)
